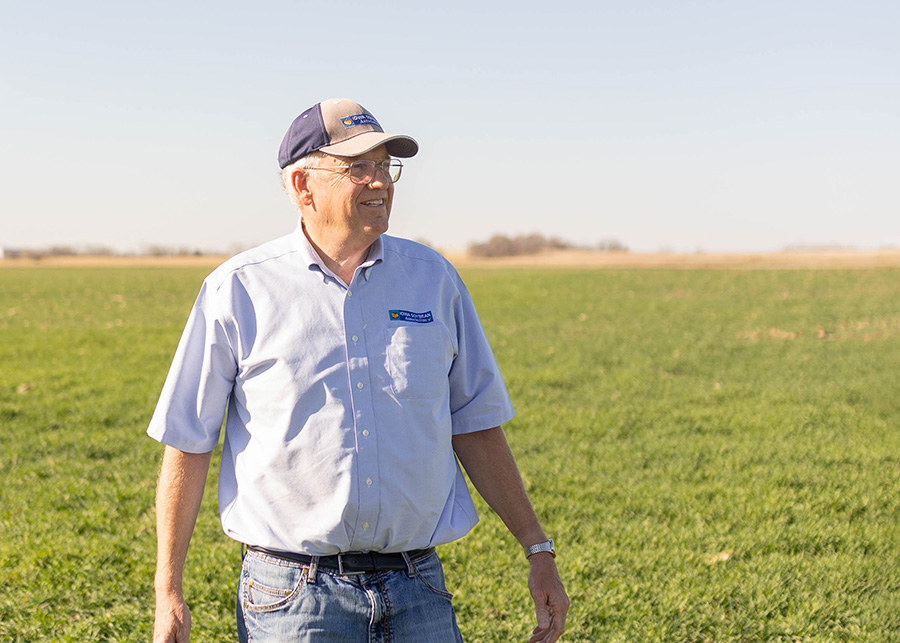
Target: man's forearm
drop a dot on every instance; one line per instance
(182, 479)
(488, 460)
(490, 465)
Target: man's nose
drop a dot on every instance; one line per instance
(380, 179)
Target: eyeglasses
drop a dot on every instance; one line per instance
(363, 172)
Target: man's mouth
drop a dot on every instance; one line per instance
(374, 203)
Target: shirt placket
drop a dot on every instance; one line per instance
(368, 483)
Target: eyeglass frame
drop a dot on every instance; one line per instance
(347, 170)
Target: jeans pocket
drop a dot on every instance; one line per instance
(430, 573)
(267, 585)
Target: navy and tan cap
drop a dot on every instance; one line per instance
(343, 128)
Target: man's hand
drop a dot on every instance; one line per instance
(173, 620)
(550, 600)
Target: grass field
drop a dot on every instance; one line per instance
(715, 452)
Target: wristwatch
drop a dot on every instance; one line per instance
(546, 546)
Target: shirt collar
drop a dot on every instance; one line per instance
(313, 261)
(375, 256)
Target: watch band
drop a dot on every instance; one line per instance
(546, 546)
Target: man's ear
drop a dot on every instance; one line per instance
(300, 183)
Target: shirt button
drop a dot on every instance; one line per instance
(369, 482)
(349, 293)
(355, 338)
(359, 385)
(366, 433)
(365, 525)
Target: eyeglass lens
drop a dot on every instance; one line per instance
(364, 171)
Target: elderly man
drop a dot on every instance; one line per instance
(355, 372)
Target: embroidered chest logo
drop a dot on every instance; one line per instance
(407, 316)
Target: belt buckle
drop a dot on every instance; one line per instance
(340, 558)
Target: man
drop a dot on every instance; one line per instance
(353, 368)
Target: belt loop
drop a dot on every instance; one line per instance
(312, 570)
(410, 568)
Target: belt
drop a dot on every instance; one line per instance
(351, 563)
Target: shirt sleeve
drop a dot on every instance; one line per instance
(478, 396)
(195, 395)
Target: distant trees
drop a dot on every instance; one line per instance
(503, 246)
(611, 245)
(167, 251)
(31, 253)
(94, 251)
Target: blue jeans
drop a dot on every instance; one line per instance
(281, 600)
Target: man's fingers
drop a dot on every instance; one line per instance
(546, 634)
(551, 623)
(537, 635)
(551, 619)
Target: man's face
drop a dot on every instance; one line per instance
(347, 210)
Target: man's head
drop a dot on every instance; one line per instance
(335, 161)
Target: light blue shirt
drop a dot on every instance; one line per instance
(342, 401)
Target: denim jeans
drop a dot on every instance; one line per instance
(280, 600)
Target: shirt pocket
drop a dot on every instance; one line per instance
(418, 360)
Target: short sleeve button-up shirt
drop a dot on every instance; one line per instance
(341, 400)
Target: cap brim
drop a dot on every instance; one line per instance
(397, 145)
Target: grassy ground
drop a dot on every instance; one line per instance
(715, 453)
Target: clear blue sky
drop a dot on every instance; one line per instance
(715, 125)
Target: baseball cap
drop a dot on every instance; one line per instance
(343, 128)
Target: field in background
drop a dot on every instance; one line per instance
(807, 259)
(715, 451)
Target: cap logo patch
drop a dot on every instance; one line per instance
(359, 119)
(407, 316)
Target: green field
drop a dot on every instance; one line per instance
(716, 454)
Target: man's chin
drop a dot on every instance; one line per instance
(379, 226)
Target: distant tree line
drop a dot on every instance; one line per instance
(53, 251)
(503, 246)
(93, 251)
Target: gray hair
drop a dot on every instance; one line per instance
(313, 159)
